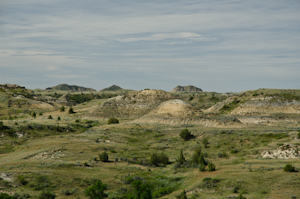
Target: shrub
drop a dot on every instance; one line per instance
(103, 157)
(50, 117)
(186, 134)
(241, 197)
(62, 109)
(71, 110)
(34, 114)
(211, 166)
(163, 158)
(40, 114)
(183, 195)
(96, 191)
(86, 164)
(181, 158)
(202, 167)
(113, 121)
(47, 195)
(77, 120)
(289, 168)
(154, 159)
(159, 159)
(299, 134)
(223, 155)
(205, 142)
(234, 151)
(22, 180)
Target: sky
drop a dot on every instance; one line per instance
(216, 45)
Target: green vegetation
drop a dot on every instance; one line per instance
(205, 142)
(157, 159)
(289, 168)
(230, 106)
(62, 108)
(186, 134)
(50, 117)
(112, 121)
(71, 110)
(103, 157)
(96, 191)
(139, 159)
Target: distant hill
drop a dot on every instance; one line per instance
(112, 88)
(188, 88)
(67, 87)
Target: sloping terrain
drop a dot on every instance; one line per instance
(132, 104)
(67, 87)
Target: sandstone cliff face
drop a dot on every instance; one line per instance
(186, 89)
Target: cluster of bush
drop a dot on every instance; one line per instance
(197, 160)
(160, 158)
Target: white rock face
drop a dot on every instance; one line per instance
(284, 152)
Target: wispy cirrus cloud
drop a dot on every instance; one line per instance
(163, 36)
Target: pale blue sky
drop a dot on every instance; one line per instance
(223, 46)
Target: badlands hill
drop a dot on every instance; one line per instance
(66, 87)
(188, 88)
(112, 88)
(247, 138)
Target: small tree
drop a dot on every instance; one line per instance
(299, 135)
(205, 142)
(185, 134)
(201, 160)
(50, 117)
(196, 155)
(112, 121)
(96, 191)
(58, 118)
(211, 166)
(62, 109)
(289, 168)
(103, 157)
(181, 158)
(71, 110)
(34, 114)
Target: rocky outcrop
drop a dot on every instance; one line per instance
(188, 88)
(283, 152)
